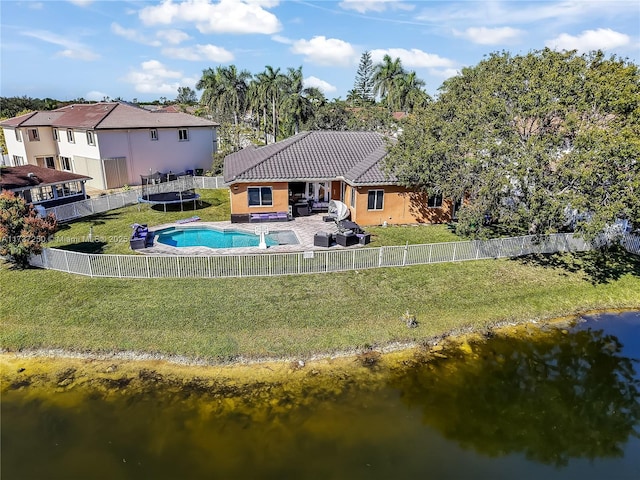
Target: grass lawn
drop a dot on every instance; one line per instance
(111, 230)
(221, 319)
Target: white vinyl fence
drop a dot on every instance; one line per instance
(317, 261)
(631, 243)
(105, 203)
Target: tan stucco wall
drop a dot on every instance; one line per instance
(240, 201)
(399, 207)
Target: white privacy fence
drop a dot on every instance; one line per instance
(317, 261)
(105, 203)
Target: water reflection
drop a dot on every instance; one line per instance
(562, 396)
(546, 404)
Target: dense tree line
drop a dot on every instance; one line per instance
(532, 143)
(274, 104)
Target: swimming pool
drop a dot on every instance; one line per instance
(213, 238)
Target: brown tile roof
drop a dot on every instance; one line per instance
(17, 121)
(317, 155)
(108, 115)
(18, 177)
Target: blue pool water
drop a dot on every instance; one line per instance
(212, 238)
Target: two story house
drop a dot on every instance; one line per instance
(113, 143)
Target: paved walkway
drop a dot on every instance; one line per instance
(304, 228)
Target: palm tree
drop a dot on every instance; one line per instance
(233, 91)
(210, 84)
(385, 75)
(408, 92)
(296, 104)
(259, 102)
(272, 82)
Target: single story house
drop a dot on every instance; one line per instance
(316, 167)
(43, 186)
(113, 143)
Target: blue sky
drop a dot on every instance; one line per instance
(147, 49)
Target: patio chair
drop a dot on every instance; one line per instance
(322, 239)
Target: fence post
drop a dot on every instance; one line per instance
(148, 268)
(118, 263)
(404, 254)
(380, 253)
(178, 264)
(430, 250)
(66, 260)
(455, 247)
(89, 263)
(501, 251)
(522, 246)
(209, 265)
(108, 202)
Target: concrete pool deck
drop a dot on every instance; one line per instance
(304, 228)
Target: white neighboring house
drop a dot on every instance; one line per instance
(113, 143)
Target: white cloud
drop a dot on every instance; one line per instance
(154, 77)
(96, 96)
(602, 38)
(282, 39)
(133, 35)
(364, 6)
(490, 36)
(325, 51)
(496, 12)
(214, 53)
(72, 49)
(225, 16)
(321, 85)
(173, 37)
(444, 73)
(81, 3)
(199, 52)
(413, 58)
(35, 5)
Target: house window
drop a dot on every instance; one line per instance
(56, 135)
(353, 198)
(50, 162)
(70, 138)
(18, 160)
(435, 201)
(18, 135)
(66, 163)
(183, 134)
(375, 200)
(33, 135)
(154, 134)
(260, 196)
(90, 139)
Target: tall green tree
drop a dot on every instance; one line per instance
(297, 106)
(364, 84)
(532, 142)
(211, 87)
(408, 93)
(385, 79)
(272, 82)
(186, 96)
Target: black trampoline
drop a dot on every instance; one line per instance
(170, 198)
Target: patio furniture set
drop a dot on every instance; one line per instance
(345, 239)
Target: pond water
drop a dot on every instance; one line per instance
(546, 403)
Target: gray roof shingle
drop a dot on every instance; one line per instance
(316, 155)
